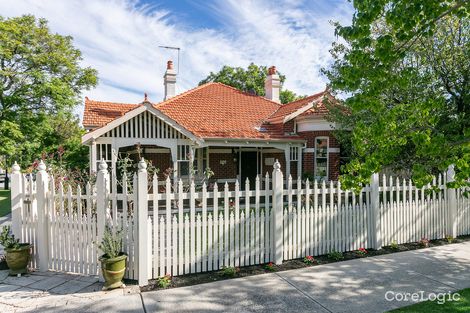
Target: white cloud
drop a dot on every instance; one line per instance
(120, 39)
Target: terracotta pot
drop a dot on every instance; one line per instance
(113, 270)
(18, 259)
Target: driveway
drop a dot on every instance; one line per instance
(358, 285)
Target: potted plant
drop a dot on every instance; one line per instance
(17, 254)
(113, 260)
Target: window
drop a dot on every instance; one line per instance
(103, 152)
(321, 158)
(184, 155)
(294, 153)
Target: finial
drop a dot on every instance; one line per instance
(145, 96)
(142, 165)
(41, 166)
(15, 168)
(277, 165)
(102, 166)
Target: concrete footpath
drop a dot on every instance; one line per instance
(352, 286)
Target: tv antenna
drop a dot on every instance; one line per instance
(174, 48)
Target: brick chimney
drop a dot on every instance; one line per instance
(272, 85)
(169, 81)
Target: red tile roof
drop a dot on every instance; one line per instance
(212, 110)
(289, 108)
(99, 113)
(220, 111)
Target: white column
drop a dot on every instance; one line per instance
(452, 200)
(191, 162)
(299, 162)
(142, 224)
(16, 199)
(277, 214)
(93, 160)
(287, 156)
(174, 158)
(375, 212)
(42, 183)
(102, 192)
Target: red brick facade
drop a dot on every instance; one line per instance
(308, 163)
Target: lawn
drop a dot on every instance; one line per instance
(463, 305)
(5, 202)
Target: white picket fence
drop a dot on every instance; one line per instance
(179, 230)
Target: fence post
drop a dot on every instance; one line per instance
(42, 185)
(452, 201)
(102, 191)
(142, 229)
(277, 214)
(16, 199)
(375, 212)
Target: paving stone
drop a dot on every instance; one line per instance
(19, 281)
(48, 283)
(92, 279)
(3, 275)
(70, 286)
(6, 288)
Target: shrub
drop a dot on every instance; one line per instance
(269, 267)
(309, 260)
(164, 281)
(424, 242)
(111, 244)
(394, 245)
(361, 252)
(450, 238)
(228, 271)
(7, 239)
(335, 255)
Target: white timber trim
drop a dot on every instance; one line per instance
(145, 106)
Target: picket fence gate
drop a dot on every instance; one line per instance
(179, 229)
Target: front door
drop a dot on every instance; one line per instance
(249, 168)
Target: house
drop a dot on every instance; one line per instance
(236, 134)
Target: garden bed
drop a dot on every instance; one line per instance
(207, 277)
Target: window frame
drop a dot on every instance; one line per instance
(316, 157)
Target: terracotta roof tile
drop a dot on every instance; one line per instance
(212, 110)
(99, 113)
(220, 111)
(292, 107)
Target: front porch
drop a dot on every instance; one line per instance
(226, 163)
(180, 154)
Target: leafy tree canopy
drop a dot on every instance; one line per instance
(405, 67)
(250, 79)
(40, 83)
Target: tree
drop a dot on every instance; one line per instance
(40, 84)
(250, 79)
(404, 65)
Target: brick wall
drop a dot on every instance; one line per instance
(221, 171)
(333, 158)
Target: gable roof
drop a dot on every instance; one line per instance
(220, 111)
(212, 110)
(289, 110)
(99, 113)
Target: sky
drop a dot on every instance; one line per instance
(121, 39)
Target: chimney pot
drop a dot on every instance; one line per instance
(169, 65)
(169, 81)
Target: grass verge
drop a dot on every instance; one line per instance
(5, 202)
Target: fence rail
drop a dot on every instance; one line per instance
(176, 229)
